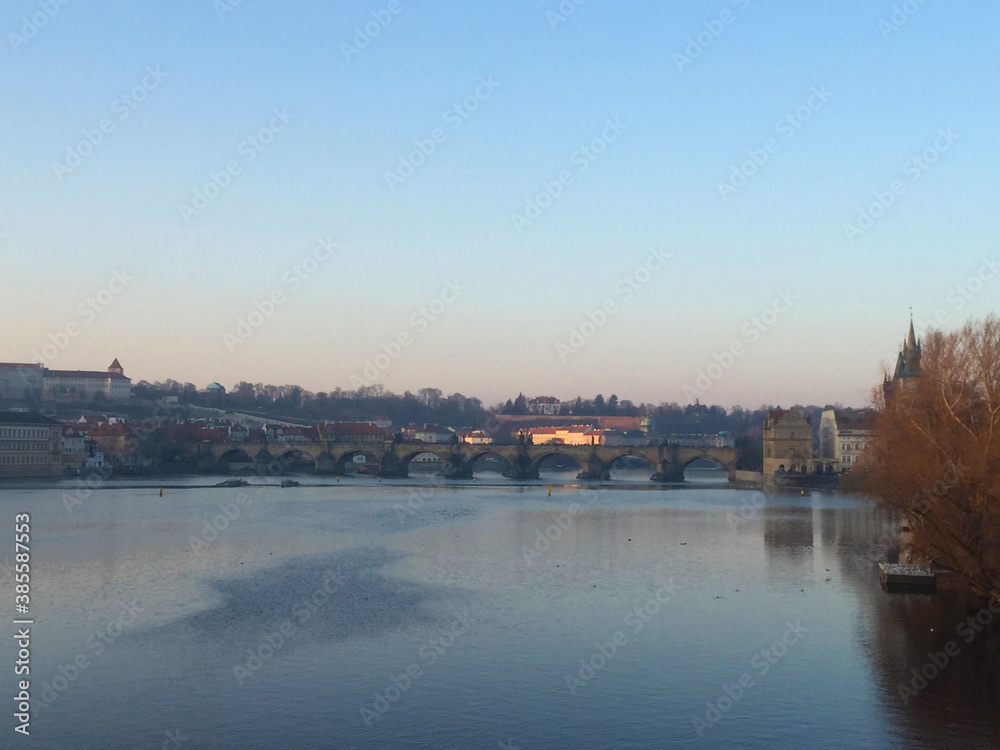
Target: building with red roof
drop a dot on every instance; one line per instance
(351, 432)
(579, 434)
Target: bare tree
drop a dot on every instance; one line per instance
(937, 455)
(430, 396)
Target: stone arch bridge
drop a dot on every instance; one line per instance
(524, 460)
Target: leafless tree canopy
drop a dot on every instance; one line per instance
(937, 456)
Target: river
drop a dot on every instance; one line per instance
(487, 614)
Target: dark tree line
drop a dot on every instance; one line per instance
(670, 418)
(428, 405)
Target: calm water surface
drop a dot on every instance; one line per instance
(482, 615)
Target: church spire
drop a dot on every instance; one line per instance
(907, 363)
(911, 340)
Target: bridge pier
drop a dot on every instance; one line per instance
(392, 466)
(265, 464)
(669, 477)
(207, 463)
(595, 460)
(457, 467)
(522, 467)
(326, 463)
(668, 473)
(594, 470)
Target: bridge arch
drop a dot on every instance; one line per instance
(234, 456)
(267, 464)
(421, 457)
(716, 462)
(619, 463)
(502, 465)
(442, 455)
(539, 461)
(294, 459)
(263, 456)
(346, 460)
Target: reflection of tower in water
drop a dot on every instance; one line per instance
(902, 632)
(788, 535)
(858, 539)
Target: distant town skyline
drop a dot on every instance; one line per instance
(696, 391)
(549, 202)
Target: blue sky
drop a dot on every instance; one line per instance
(659, 181)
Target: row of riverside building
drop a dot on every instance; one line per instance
(789, 446)
(35, 446)
(32, 445)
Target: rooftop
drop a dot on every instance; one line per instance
(94, 374)
(24, 417)
(353, 428)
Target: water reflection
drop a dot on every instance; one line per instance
(545, 579)
(938, 677)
